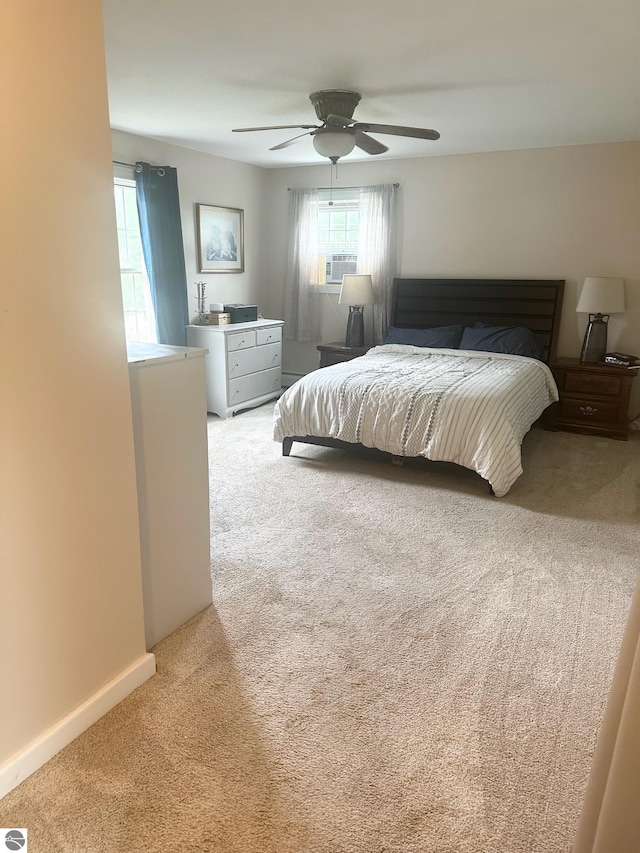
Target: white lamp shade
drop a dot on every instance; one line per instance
(601, 296)
(356, 290)
(334, 143)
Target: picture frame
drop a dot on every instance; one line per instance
(220, 233)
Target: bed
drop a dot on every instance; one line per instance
(433, 390)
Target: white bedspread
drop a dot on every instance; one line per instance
(470, 408)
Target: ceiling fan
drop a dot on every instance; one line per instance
(339, 133)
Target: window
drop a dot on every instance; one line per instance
(139, 317)
(337, 228)
(338, 224)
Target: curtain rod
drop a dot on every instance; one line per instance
(161, 169)
(395, 186)
(138, 168)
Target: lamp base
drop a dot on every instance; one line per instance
(355, 327)
(594, 346)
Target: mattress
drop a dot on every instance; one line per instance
(469, 408)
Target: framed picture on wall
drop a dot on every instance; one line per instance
(220, 233)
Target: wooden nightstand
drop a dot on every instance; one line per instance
(594, 398)
(335, 353)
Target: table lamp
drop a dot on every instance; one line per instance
(356, 291)
(599, 298)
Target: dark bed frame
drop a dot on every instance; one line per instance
(422, 303)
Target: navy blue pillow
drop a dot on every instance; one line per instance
(515, 340)
(439, 336)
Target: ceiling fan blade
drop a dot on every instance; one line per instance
(398, 130)
(276, 127)
(369, 144)
(289, 141)
(339, 120)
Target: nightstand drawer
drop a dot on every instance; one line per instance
(591, 383)
(339, 357)
(588, 411)
(337, 353)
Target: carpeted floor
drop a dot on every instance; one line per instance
(395, 662)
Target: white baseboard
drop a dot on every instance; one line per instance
(27, 761)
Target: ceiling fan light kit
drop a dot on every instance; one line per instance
(339, 134)
(333, 142)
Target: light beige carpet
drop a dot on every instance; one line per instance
(396, 662)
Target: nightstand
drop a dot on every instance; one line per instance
(335, 353)
(594, 398)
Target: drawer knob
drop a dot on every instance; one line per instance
(588, 411)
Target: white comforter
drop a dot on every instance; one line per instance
(471, 408)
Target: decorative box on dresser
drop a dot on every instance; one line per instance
(594, 398)
(243, 367)
(336, 352)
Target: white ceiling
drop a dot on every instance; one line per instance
(489, 76)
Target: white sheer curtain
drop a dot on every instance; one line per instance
(610, 819)
(302, 298)
(377, 254)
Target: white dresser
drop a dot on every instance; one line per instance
(243, 366)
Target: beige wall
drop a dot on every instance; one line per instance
(545, 213)
(203, 179)
(70, 582)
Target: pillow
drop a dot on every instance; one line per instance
(515, 340)
(439, 336)
(541, 339)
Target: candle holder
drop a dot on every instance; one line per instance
(201, 285)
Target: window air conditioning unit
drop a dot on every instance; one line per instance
(339, 265)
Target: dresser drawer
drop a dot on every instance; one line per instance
(244, 361)
(588, 411)
(592, 383)
(241, 340)
(254, 385)
(268, 336)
